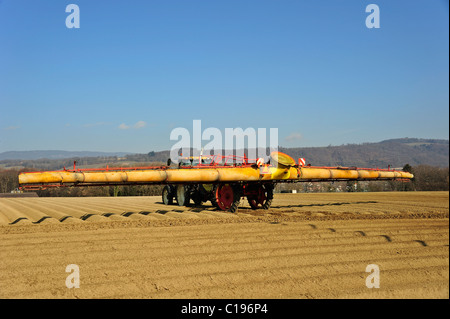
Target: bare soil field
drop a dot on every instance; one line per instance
(304, 246)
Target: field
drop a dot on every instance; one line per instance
(305, 246)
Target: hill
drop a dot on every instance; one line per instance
(393, 152)
(53, 154)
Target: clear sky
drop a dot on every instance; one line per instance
(135, 70)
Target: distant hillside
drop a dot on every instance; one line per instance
(394, 152)
(34, 155)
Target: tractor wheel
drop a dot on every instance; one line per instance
(167, 195)
(226, 197)
(182, 195)
(213, 196)
(214, 202)
(198, 202)
(200, 194)
(197, 198)
(263, 197)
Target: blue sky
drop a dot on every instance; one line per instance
(135, 70)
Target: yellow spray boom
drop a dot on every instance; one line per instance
(222, 183)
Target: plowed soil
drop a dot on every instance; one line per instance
(304, 246)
